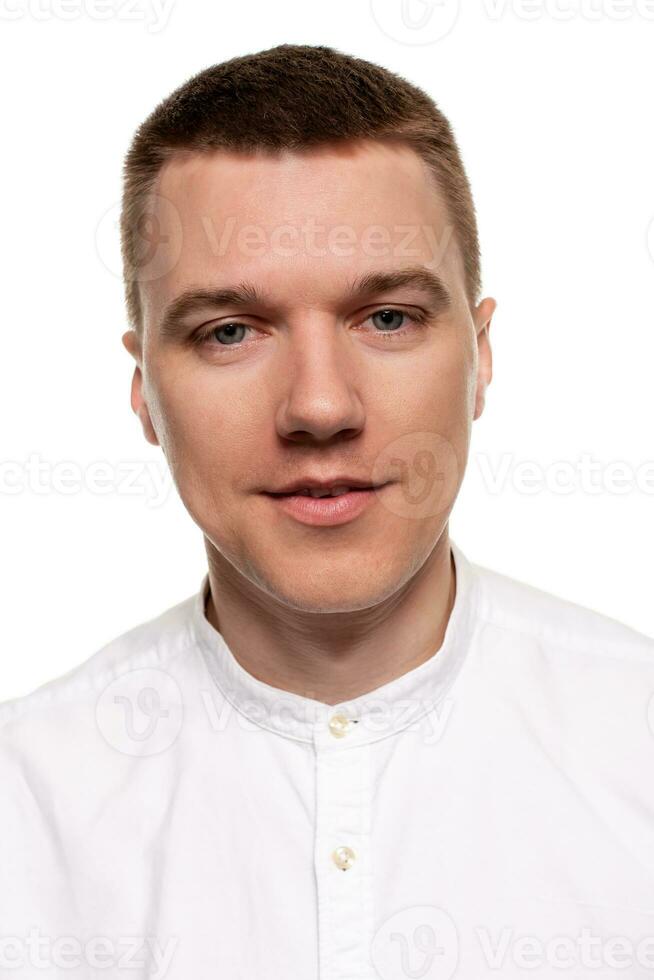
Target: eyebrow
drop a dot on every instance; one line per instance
(245, 294)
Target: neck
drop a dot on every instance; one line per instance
(333, 657)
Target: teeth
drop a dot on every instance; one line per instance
(334, 492)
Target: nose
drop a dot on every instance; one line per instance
(320, 400)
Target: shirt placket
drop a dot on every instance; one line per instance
(342, 850)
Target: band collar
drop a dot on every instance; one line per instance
(386, 711)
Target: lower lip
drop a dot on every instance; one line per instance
(324, 511)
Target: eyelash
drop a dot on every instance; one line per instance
(418, 317)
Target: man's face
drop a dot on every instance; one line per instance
(311, 377)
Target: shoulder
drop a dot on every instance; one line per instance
(158, 643)
(69, 748)
(512, 612)
(571, 685)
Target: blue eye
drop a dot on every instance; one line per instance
(390, 323)
(388, 318)
(228, 330)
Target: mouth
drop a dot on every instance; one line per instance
(337, 491)
(322, 507)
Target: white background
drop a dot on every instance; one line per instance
(551, 104)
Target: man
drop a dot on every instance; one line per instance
(353, 753)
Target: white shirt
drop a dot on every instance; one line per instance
(490, 813)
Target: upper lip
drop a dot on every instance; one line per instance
(324, 483)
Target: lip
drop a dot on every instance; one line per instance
(326, 511)
(324, 483)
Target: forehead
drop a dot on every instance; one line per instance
(308, 178)
(300, 221)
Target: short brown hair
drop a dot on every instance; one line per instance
(293, 96)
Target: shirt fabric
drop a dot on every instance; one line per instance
(489, 813)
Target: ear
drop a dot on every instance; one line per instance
(132, 343)
(482, 319)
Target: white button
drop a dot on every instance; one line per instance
(338, 725)
(343, 857)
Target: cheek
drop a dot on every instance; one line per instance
(439, 392)
(435, 431)
(212, 440)
(195, 434)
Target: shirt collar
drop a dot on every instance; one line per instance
(386, 711)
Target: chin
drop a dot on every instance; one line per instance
(337, 591)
